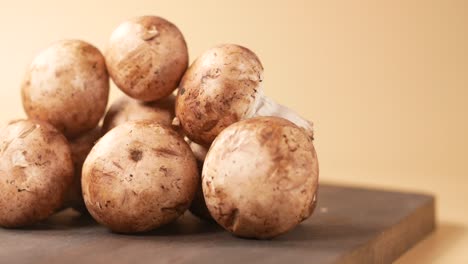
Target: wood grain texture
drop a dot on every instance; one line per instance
(350, 225)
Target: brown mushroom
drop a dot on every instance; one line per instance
(147, 57)
(221, 87)
(127, 109)
(67, 85)
(260, 177)
(36, 170)
(138, 177)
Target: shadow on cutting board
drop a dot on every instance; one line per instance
(185, 225)
(64, 220)
(71, 220)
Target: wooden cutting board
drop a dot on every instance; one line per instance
(350, 225)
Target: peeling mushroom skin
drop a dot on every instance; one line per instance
(67, 85)
(260, 177)
(127, 109)
(217, 90)
(147, 57)
(80, 148)
(139, 176)
(221, 87)
(36, 170)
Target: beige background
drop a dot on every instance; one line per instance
(385, 81)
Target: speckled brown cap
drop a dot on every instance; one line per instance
(67, 85)
(260, 177)
(139, 176)
(36, 170)
(147, 57)
(218, 89)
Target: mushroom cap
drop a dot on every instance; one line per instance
(36, 170)
(147, 57)
(139, 176)
(80, 148)
(218, 89)
(67, 85)
(260, 177)
(126, 109)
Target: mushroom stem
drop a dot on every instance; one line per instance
(265, 106)
(199, 151)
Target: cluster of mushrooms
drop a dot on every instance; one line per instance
(203, 138)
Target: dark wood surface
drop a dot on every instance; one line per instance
(350, 225)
